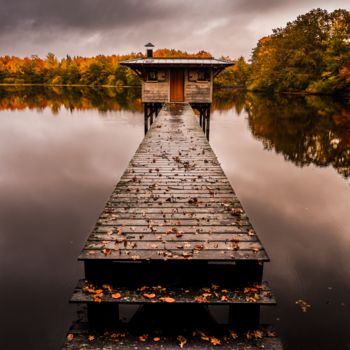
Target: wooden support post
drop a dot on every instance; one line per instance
(151, 115)
(145, 108)
(207, 131)
(244, 315)
(151, 111)
(103, 315)
(204, 120)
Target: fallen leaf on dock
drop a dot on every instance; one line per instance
(91, 337)
(254, 335)
(271, 333)
(234, 334)
(182, 341)
(215, 341)
(143, 338)
(203, 336)
(106, 252)
(149, 296)
(70, 337)
(167, 299)
(116, 296)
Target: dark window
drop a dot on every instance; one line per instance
(162, 75)
(203, 75)
(152, 75)
(192, 75)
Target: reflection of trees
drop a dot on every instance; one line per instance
(306, 130)
(80, 98)
(225, 99)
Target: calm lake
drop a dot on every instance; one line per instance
(63, 150)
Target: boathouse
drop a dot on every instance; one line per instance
(176, 79)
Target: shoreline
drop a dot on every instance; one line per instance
(233, 88)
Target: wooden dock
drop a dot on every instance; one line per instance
(174, 238)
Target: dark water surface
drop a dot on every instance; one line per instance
(63, 150)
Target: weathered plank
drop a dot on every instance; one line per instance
(87, 292)
(123, 338)
(174, 202)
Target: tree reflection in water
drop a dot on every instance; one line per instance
(104, 99)
(305, 129)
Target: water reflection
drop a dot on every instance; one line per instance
(103, 99)
(57, 171)
(306, 130)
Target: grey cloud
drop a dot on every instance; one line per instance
(90, 27)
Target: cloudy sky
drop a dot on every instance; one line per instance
(90, 27)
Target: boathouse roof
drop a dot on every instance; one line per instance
(177, 62)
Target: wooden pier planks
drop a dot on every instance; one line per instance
(174, 202)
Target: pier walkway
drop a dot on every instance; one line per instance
(173, 239)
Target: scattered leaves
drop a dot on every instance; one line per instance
(167, 299)
(149, 296)
(304, 306)
(143, 338)
(116, 296)
(233, 334)
(182, 341)
(215, 341)
(106, 252)
(271, 333)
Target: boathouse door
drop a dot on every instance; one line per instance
(177, 85)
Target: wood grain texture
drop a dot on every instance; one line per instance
(174, 202)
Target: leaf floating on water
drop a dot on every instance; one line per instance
(167, 299)
(70, 337)
(304, 306)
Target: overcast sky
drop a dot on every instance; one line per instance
(91, 27)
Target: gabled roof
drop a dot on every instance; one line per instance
(177, 62)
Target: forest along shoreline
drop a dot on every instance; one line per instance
(310, 55)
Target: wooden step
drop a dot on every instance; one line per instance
(86, 292)
(183, 272)
(80, 337)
